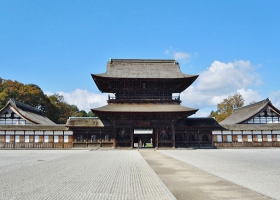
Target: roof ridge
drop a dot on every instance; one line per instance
(26, 107)
(139, 60)
(252, 105)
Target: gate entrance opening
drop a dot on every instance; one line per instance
(143, 138)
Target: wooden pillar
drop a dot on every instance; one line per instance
(33, 139)
(198, 136)
(131, 137)
(24, 144)
(62, 139)
(157, 130)
(114, 134)
(262, 139)
(100, 137)
(14, 139)
(53, 138)
(5, 140)
(173, 134)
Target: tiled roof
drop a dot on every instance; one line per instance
(241, 114)
(84, 122)
(144, 68)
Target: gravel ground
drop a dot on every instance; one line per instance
(51, 174)
(256, 169)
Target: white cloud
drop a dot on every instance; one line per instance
(221, 80)
(181, 56)
(84, 99)
(249, 95)
(178, 55)
(275, 98)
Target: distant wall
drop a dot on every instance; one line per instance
(257, 138)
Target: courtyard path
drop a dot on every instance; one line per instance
(188, 182)
(36, 174)
(256, 169)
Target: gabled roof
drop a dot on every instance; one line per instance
(143, 68)
(84, 122)
(27, 112)
(244, 113)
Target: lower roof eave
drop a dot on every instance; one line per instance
(143, 108)
(33, 127)
(252, 127)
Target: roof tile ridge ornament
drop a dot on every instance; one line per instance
(253, 104)
(141, 60)
(12, 102)
(25, 107)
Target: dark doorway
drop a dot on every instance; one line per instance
(143, 138)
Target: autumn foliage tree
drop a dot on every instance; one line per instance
(226, 107)
(53, 106)
(30, 94)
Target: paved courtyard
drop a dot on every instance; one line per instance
(78, 174)
(256, 169)
(124, 174)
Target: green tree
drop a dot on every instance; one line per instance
(91, 114)
(226, 107)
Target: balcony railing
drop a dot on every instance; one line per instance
(128, 99)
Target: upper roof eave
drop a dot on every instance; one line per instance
(106, 75)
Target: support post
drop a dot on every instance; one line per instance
(100, 137)
(63, 140)
(33, 139)
(53, 139)
(114, 134)
(5, 139)
(131, 137)
(198, 136)
(173, 134)
(14, 139)
(157, 130)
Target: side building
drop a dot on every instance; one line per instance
(255, 125)
(23, 126)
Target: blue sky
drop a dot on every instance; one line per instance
(58, 44)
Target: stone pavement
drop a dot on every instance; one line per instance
(115, 174)
(188, 182)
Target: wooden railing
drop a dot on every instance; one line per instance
(131, 99)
